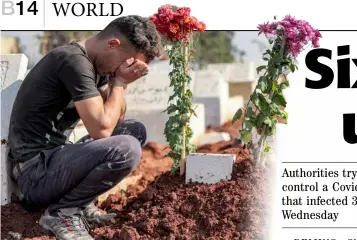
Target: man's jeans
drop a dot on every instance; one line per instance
(73, 175)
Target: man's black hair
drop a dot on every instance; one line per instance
(139, 31)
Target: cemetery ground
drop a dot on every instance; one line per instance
(161, 206)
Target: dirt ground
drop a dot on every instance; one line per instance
(161, 206)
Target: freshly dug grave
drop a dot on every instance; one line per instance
(169, 209)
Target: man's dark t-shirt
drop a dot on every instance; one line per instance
(43, 115)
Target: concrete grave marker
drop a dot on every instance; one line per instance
(209, 168)
(12, 71)
(211, 90)
(222, 68)
(242, 80)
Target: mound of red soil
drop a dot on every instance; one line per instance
(165, 208)
(170, 209)
(231, 128)
(153, 163)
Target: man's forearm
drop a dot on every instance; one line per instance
(113, 106)
(105, 92)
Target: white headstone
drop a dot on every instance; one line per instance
(211, 90)
(243, 72)
(237, 71)
(151, 91)
(158, 66)
(146, 98)
(223, 68)
(209, 168)
(13, 69)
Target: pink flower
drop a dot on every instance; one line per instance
(264, 28)
(297, 33)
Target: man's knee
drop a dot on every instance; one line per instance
(127, 151)
(134, 128)
(141, 132)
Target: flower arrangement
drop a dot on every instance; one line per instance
(177, 26)
(266, 106)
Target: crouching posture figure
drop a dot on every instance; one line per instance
(84, 80)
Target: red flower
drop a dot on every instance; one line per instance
(184, 12)
(201, 27)
(153, 18)
(188, 20)
(165, 9)
(176, 25)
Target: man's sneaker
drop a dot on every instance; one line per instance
(66, 224)
(93, 215)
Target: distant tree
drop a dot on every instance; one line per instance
(52, 39)
(216, 47)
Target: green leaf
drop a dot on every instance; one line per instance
(245, 135)
(248, 124)
(269, 131)
(284, 115)
(172, 97)
(193, 111)
(267, 149)
(268, 121)
(256, 101)
(189, 93)
(265, 59)
(250, 113)
(260, 119)
(171, 108)
(267, 52)
(274, 108)
(260, 68)
(262, 84)
(279, 99)
(292, 67)
(237, 115)
(284, 85)
(263, 102)
(275, 86)
(274, 121)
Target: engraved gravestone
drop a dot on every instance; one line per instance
(13, 68)
(146, 99)
(151, 91)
